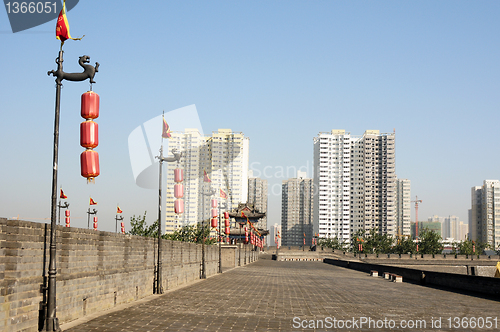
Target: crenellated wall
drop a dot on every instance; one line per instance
(95, 270)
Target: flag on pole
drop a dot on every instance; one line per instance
(92, 202)
(62, 196)
(62, 26)
(205, 177)
(166, 130)
(223, 194)
(118, 210)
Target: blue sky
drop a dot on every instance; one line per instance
(278, 71)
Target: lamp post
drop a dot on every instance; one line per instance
(51, 323)
(64, 206)
(221, 207)
(210, 192)
(116, 222)
(94, 212)
(175, 158)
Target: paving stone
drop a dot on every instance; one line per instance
(275, 296)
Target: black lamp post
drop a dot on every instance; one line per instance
(210, 192)
(94, 212)
(116, 222)
(64, 206)
(221, 207)
(51, 321)
(158, 289)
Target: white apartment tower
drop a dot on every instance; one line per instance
(297, 211)
(223, 156)
(403, 207)
(257, 195)
(484, 223)
(189, 142)
(356, 183)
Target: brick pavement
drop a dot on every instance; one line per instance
(268, 295)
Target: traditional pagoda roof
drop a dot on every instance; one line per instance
(246, 210)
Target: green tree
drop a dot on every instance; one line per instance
(378, 243)
(469, 247)
(429, 242)
(331, 243)
(405, 246)
(139, 226)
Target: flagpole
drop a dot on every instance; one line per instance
(158, 288)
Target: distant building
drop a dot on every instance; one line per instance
(403, 207)
(484, 222)
(430, 225)
(355, 181)
(275, 235)
(297, 211)
(463, 231)
(224, 156)
(257, 195)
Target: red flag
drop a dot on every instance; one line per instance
(62, 195)
(92, 202)
(205, 177)
(223, 194)
(166, 130)
(62, 26)
(118, 210)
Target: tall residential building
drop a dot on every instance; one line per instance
(355, 181)
(223, 156)
(297, 211)
(451, 228)
(403, 207)
(189, 142)
(484, 223)
(257, 195)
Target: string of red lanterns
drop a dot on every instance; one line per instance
(89, 136)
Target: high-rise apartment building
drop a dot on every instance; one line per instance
(223, 156)
(484, 223)
(355, 181)
(257, 195)
(297, 211)
(403, 207)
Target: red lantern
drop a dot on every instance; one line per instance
(66, 213)
(90, 105)
(214, 213)
(178, 190)
(214, 202)
(123, 230)
(67, 221)
(226, 215)
(226, 223)
(214, 222)
(179, 206)
(227, 231)
(89, 161)
(95, 223)
(89, 134)
(178, 175)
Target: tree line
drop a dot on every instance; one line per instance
(188, 233)
(429, 242)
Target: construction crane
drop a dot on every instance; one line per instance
(416, 201)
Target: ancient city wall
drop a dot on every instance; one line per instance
(95, 270)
